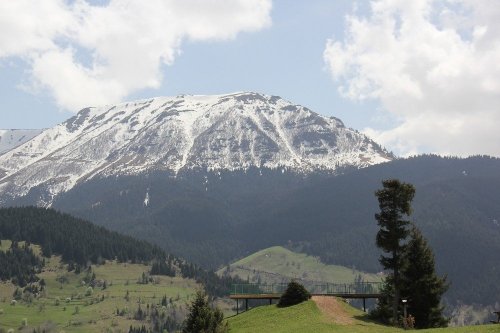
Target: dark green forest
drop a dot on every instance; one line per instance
(80, 244)
(19, 264)
(76, 240)
(213, 218)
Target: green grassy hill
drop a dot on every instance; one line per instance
(68, 305)
(60, 273)
(277, 264)
(309, 317)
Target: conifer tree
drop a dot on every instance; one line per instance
(383, 311)
(395, 206)
(202, 318)
(421, 285)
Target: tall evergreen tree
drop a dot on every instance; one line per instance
(202, 318)
(421, 285)
(395, 206)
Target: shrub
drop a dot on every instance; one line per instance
(89, 291)
(13, 302)
(1, 311)
(24, 322)
(295, 293)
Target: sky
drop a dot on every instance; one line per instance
(420, 76)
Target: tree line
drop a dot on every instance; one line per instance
(81, 243)
(76, 240)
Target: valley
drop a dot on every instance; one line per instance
(112, 296)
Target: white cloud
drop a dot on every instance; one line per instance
(89, 55)
(434, 65)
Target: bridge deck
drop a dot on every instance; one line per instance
(277, 296)
(346, 290)
(255, 296)
(362, 290)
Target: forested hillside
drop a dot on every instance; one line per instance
(212, 218)
(455, 206)
(19, 264)
(77, 241)
(80, 244)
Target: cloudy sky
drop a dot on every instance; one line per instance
(418, 76)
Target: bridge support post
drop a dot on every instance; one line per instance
(246, 304)
(237, 306)
(364, 304)
(270, 301)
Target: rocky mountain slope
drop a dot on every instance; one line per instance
(11, 138)
(223, 132)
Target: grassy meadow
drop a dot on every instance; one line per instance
(308, 318)
(277, 264)
(68, 305)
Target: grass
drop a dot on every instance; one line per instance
(307, 318)
(276, 264)
(96, 312)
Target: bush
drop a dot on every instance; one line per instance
(295, 293)
(24, 322)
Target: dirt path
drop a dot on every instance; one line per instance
(331, 308)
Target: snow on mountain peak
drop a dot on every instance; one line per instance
(215, 132)
(11, 138)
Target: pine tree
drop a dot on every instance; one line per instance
(383, 311)
(421, 285)
(202, 318)
(395, 206)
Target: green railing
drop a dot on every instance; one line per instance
(315, 289)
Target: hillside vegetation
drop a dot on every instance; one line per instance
(278, 264)
(81, 243)
(213, 218)
(314, 317)
(120, 298)
(59, 273)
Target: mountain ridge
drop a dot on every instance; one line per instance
(12, 138)
(212, 132)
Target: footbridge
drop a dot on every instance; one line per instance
(358, 290)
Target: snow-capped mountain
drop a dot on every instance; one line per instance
(220, 132)
(11, 138)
